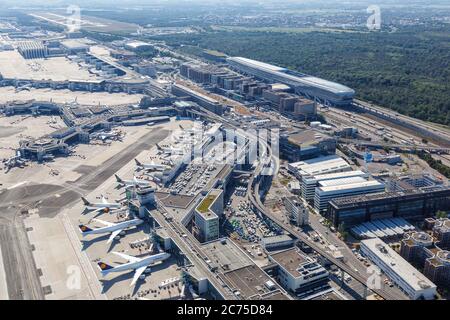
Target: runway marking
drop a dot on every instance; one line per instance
(17, 185)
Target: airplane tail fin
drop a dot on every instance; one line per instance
(86, 203)
(84, 229)
(157, 146)
(137, 162)
(104, 267)
(118, 178)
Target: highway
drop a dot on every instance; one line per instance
(356, 274)
(394, 146)
(253, 194)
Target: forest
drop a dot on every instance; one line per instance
(407, 71)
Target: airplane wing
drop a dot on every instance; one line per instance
(93, 211)
(137, 274)
(106, 223)
(113, 235)
(127, 257)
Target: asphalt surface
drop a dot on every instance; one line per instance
(21, 273)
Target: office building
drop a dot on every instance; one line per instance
(203, 100)
(437, 269)
(297, 272)
(304, 109)
(299, 108)
(325, 194)
(441, 231)
(319, 165)
(147, 69)
(311, 87)
(32, 49)
(411, 204)
(410, 182)
(309, 183)
(206, 216)
(305, 145)
(412, 248)
(404, 275)
(296, 210)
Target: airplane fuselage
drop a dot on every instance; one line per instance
(93, 206)
(139, 183)
(117, 226)
(138, 264)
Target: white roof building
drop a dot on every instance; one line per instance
(327, 193)
(320, 165)
(407, 278)
(309, 183)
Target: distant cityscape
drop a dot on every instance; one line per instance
(154, 173)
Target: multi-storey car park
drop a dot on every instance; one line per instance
(327, 92)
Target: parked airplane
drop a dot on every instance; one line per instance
(139, 265)
(135, 182)
(170, 150)
(151, 166)
(107, 135)
(114, 228)
(100, 206)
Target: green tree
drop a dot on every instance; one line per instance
(441, 214)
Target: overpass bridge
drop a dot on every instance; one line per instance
(259, 206)
(253, 193)
(422, 128)
(396, 146)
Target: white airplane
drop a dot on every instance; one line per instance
(139, 265)
(107, 135)
(170, 150)
(114, 228)
(135, 182)
(100, 206)
(151, 166)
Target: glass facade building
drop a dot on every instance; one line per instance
(413, 204)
